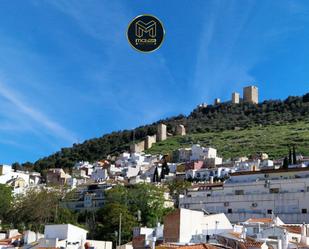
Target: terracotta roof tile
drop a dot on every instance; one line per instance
(292, 228)
(196, 246)
(262, 220)
(253, 244)
(235, 234)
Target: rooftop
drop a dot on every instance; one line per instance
(196, 246)
(259, 220)
(269, 171)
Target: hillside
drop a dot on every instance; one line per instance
(272, 139)
(208, 120)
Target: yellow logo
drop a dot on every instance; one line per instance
(141, 27)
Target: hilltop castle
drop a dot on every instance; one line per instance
(250, 95)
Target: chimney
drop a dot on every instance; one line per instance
(154, 239)
(285, 240)
(279, 246)
(303, 230)
(211, 179)
(244, 233)
(303, 238)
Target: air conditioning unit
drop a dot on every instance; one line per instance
(226, 204)
(254, 204)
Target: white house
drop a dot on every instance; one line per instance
(148, 235)
(99, 173)
(206, 173)
(66, 235)
(18, 180)
(287, 236)
(254, 226)
(201, 153)
(190, 226)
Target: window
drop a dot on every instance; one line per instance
(308, 189)
(304, 211)
(239, 192)
(274, 190)
(256, 230)
(273, 237)
(229, 211)
(269, 211)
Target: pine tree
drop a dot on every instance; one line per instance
(290, 156)
(155, 177)
(162, 175)
(285, 163)
(294, 156)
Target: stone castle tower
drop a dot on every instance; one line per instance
(235, 98)
(161, 132)
(251, 94)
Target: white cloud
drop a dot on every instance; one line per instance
(53, 128)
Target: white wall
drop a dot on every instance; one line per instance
(5, 169)
(66, 232)
(200, 153)
(12, 175)
(196, 222)
(97, 244)
(99, 173)
(293, 196)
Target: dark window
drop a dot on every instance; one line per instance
(274, 190)
(304, 211)
(239, 192)
(269, 211)
(229, 211)
(272, 237)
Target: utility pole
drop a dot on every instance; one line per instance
(119, 233)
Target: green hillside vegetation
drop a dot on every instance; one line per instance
(271, 139)
(225, 118)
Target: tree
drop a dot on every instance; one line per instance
(149, 200)
(39, 207)
(64, 216)
(178, 187)
(6, 199)
(16, 166)
(285, 163)
(145, 198)
(306, 98)
(108, 219)
(290, 156)
(165, 169)
(294, 156)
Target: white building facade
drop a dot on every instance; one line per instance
(283, 192)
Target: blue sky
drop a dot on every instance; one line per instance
(68, 74)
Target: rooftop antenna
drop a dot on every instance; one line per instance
(205, 211)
